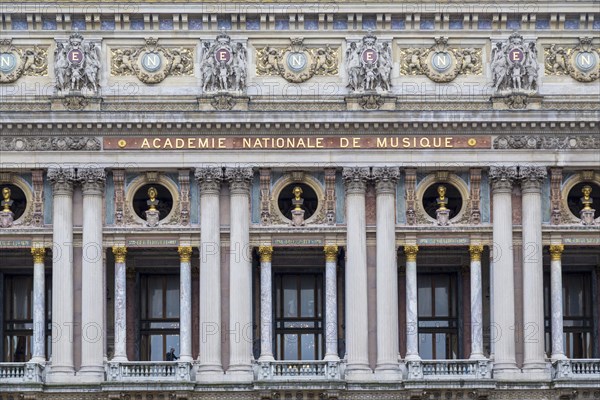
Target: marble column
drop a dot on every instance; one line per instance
(62, 369)
(120, 352)
(185, 303)
(556, 306)
(476, 303)
(209, 356)
(331, 320)
(92, 275)
(533, 273)
(39, 305)
(266, 304)
(388, 343)
(503, 324)
(412, 316)
(357, 340)
(240, 273)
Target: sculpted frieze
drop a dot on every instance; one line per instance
(554, 142)
(439, 62)
(514, 66)
(17, 61)
(297, 63)
(369, 65)
(41, 143)
(581, 62)
(77, 65)
(223, 65)
(152, 63)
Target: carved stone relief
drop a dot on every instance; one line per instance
(21, 61)
(297, 63)
(581, 62)
(440, 63)
(514, 66)
(554, 142)
(369, 65)
(77, 65)
(223, 65)
(152, 63)
(42, 143)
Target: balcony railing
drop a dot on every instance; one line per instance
(149, 371)
(298, 370)
(21, 372)
(449, 369)
(577, 369)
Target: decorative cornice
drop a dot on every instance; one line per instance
(331, 253)
(120, 253)
(39, 254)
(411, 252)
(265, 253)
(475, 251)
(556, 251)
(185, 253)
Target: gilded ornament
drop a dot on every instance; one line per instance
(556, 251)
(298, 200)
(152, 201)
(185, 253)
(581, 62)
(16, 62)
(265, 253)
(411, 252)
(331, 253)
(475, 251)
(39, 254)
(587, 200)
(6, 201)
(442, 200)
(120, 253)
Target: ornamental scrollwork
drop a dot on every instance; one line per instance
(440, 63)
(514, 66)
(41, 143)
(223, 65)
(297, 63)
(581, 62)
(555, 142)
(369, 65)
(152, 63)
(21, 61)
(77, 65)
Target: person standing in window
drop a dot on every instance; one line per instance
(171, 355)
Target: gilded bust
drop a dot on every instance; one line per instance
(587, 200)
(298, 200)
(153, 201)
(442, 200)
(6, 201)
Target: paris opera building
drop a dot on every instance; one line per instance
(299, 200)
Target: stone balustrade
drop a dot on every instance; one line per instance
(19, 372)
(298, 370)
(449, 369)
(577, 369)
(150, 371)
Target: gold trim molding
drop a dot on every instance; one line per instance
(120, 253)
(265, 253)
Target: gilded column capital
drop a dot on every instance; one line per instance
(92, 180)
(411, 252)
(38, 253)
(556, 251)
(386, 179)
(331, 253)
(120, 252)
(185, 253)
(239, 179)
(475, 250)
(355, 179)
(502, 177)
(265, 253)
(209, 179)
(61, 180)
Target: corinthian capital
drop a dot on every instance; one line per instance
(503, 176)
(532, 176)
(209, 179)
(239, 178)
(61, 179)
(355, 178)
(92, 179)
(386, 179)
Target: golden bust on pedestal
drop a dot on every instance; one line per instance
(297, 201)
(442, 200)
(6, 201)
(587, 200)
(152, 202)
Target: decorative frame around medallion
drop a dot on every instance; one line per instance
(463, 215)
(131, 189)
(289, 179)
(567, 216)
(9, 178)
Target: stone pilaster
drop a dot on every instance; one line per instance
(39, 305)
(388, 349)
(240, 273)
(266, 304)
(357, 350)
(503, 273)
(331, 320)
(209, 180)
(412, 317)
(185, 303)
(119, 182)
(265, 196)
(410, 183)
(120, 352)
(556, 305)
(330, 195)
(184, 196)
(62, 369)
(92, 275)
(475, 251)
(531, 178)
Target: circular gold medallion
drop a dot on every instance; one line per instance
(472, 142)
(122, 143)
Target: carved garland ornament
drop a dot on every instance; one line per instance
(297, 63)
(152, 63)
(555, 142)
(439, 63)
(42, 143)
(581, 62)
(21, 61)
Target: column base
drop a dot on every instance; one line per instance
(208, 368)
(388, 372)
(412, 357)
(559, 356)
(119, 359)
(358, 371)
(89, 374)
(239, 374)
(187, 359)
(477, 356)
(330, 357)
(537, 371)
(506, 372)
(37, 360)
(60, 374)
